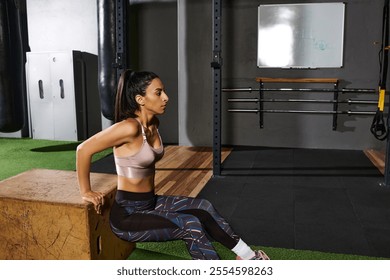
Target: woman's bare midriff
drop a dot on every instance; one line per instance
(139, 185)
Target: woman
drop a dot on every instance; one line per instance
(137, 213)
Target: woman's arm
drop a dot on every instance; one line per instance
(115, 135)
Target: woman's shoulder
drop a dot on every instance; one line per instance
(129, 127)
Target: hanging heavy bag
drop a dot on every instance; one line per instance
(11, 68)
(106, 55)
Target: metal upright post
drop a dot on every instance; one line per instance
(335, 104)
(120, 60)
(387, 157)
(216, 65)
(261, 105)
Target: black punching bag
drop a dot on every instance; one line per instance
(11, 68)
(107, 54)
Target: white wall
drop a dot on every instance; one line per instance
(58, 25)
(61, 25)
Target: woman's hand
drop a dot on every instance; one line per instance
(97, 198)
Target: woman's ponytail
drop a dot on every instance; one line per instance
(120, 98)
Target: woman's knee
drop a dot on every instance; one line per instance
(190, 222)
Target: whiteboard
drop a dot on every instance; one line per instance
(301, 35)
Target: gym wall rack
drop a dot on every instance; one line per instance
(216, 65)
(335, 100)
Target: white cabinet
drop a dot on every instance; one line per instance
(58, 91)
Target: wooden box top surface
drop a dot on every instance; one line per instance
(54, 186)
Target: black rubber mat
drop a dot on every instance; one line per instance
(322, 200)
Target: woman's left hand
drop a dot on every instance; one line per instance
(97, 198)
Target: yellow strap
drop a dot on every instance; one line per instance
(381, 101)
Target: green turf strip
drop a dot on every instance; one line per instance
(176, 250)
(19, 155)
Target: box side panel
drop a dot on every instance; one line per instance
(38, 230)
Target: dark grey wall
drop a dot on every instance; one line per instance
(153, 47)
(363, 21)
(195, 96)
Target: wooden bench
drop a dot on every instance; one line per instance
(42, 216)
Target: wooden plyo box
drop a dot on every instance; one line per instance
(42, 216)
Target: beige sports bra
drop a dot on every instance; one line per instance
(142, 164)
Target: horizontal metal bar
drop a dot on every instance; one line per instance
(297, 80)
(344, 90)
(237, 89)
(320, 90)
(244, 100)
(364, 90)
(303, 111)
(244, 110)
(349, 101)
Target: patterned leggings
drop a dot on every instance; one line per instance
(138, 217)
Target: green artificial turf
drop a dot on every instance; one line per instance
(19, 155)
(176, 250)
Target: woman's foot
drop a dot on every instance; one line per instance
(259, 255)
